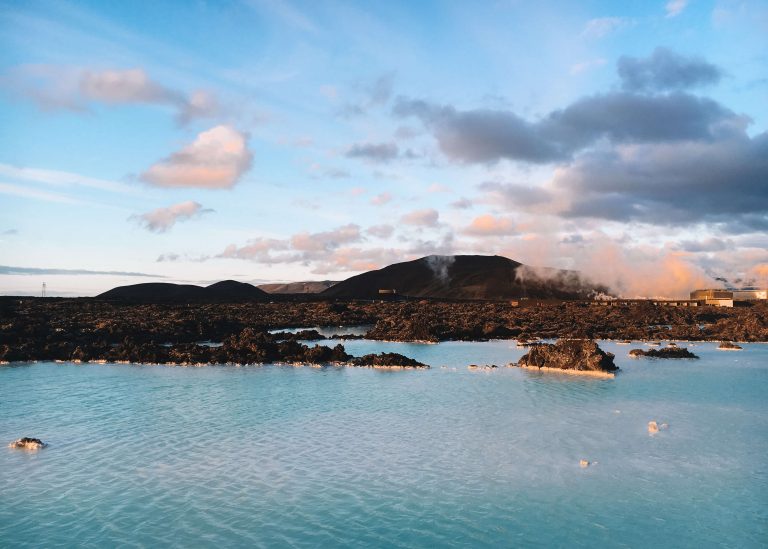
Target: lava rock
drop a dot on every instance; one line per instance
(27, 443)
(569, 354)
(666, 352)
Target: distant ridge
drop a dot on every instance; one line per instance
(465, 277)
(309, 287)
(226, 290)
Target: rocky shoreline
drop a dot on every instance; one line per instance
(94, 330)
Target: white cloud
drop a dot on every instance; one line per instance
(59, 178)
(16, 190)
(602, 26)
(216, 159)
(161, 220)
(675, 7)
(584, 66)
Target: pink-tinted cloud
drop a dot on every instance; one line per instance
(327, 240)
(216, 159)
(380, 231)
(161, 220)
(381, 199)
(55, 87)
(489, 225)
(422, 218)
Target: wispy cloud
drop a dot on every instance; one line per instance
(24, 192)
(675, 7)
(8, 270)
(602, 26)
(161, 220)
(55, 87)
(63, 179)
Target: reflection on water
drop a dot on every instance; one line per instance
(282, 456)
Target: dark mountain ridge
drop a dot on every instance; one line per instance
(226, 290)
(470, 277)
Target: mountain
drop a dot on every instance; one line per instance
(464, 277)
(226, 290)
(309, 287)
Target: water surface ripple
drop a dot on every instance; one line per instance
(304, 457)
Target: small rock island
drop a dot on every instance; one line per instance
(579, 356)
(27, 443)
(666, 352)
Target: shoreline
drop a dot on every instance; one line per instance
(570, 372)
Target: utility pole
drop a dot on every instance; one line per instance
(43, 294)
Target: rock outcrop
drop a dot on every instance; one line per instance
(580, 355)
(27, 443)
(666, 352)
(729, 346)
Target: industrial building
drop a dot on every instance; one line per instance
(726, 298)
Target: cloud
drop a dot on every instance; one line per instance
(9, 232)
(489, 225)
(299, 248)
(63, 179)
(666, 70)
(711, 244)
(24, 192)
(336, 250)
(515, 195)
(76, 89)
(381, 199)
(7, 270)
(327, 240)
(675, 7)
(167, 258)
(216, 159)
(461, 204)
(602, 26)
(162, 219)
(374, 152)
(375, 94)
(487, 135)
(584, 66)
(723, 181)
(422, 218)
(124, 86)
(260, 250)
(380, 231)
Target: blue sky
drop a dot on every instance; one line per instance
(265, 140)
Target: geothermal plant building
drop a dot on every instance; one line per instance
(726, 298)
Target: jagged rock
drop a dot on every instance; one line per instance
(387, 360)
(569, 354)
(729, 346)
(666, 352)
(27, 443)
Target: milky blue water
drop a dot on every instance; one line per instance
(280, 456)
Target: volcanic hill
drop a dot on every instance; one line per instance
(465, 277)
(153, 292)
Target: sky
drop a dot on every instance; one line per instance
(260, 140)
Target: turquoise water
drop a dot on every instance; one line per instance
(280, 456)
